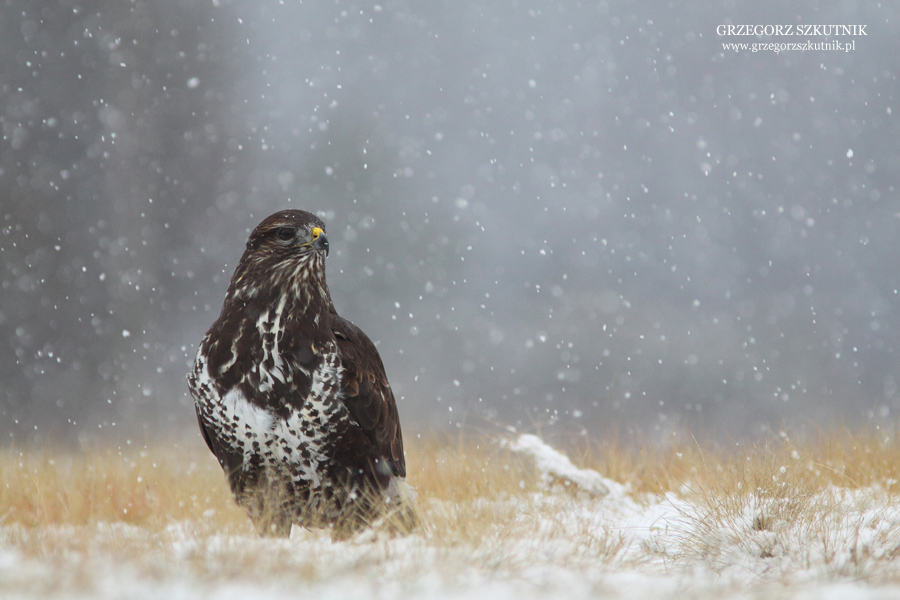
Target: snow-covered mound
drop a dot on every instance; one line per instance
(557, 470)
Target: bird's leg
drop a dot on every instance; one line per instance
(274, 525)
(269, 508)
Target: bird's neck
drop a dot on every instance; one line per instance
(301, 291)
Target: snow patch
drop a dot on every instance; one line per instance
(557, 470)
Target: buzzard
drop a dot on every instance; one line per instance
(292, 399)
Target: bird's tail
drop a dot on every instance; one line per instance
(400, 500)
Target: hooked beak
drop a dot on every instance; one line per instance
(319, 241)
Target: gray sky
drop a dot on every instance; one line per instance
(581, 216)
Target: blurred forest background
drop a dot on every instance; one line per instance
(577, 216)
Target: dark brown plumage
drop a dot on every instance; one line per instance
(292, 399)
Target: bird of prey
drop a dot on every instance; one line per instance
(293, 399)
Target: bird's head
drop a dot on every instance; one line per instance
(285, 254)
(289, 234)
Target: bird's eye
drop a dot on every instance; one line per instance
(285, 234)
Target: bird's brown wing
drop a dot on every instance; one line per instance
(230, 458)
(367, 393)
(206, 394)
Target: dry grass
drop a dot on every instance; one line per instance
(479, 504)
(843, 458)
(153, 486)
(147, 487)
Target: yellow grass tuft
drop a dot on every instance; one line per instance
(146, 487)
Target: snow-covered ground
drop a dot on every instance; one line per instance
(585, 537)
